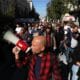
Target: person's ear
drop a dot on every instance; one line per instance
(43, 48)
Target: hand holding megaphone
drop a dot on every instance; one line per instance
(16, 51)
(11, 37)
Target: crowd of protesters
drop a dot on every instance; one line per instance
(62, 39)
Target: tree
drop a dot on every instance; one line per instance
(11, 9)
(34, 14)
(7, 8)
(55, 9)
(49, 11)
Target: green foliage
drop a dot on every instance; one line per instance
(10, 10)
(7, 8)
(55, 9)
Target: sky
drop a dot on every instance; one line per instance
(40, 6)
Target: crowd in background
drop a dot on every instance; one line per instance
(62, 38)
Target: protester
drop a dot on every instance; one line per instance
(42, 65)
